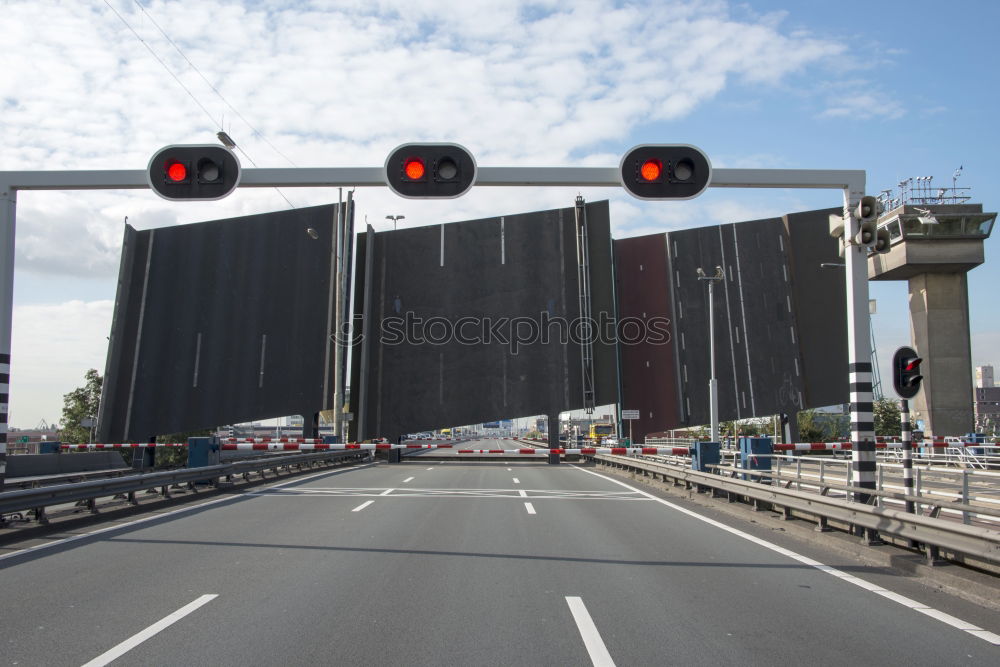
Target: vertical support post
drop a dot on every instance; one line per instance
(859, 355)
(8, 203)
(965, 494)
(361, 431)
(554, 431)
(713, 383)
(345, 317)
(338, 355)
(583, 275)
(312, 425)
(907, 434)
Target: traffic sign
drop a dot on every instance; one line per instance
(630, 414)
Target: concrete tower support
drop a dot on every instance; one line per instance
(934, 248)
(939, 329)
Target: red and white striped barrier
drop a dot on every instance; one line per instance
(318, 446)
(291, 447)
(622, 451)
(299, 440)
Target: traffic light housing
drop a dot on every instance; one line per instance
(906, 375)
(434, 171)
(194, 172)
(867, 214)
(665, 171)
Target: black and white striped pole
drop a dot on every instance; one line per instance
(907, 433)
(7, 199)
(906, 380)
(860, 216)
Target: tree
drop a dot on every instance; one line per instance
(810, 427)
(887, 418)
(78, 405)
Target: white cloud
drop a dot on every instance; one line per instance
(53, 346)
(860, 99)
(341, 84)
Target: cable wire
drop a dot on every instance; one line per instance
(188, 91)
(214, 89)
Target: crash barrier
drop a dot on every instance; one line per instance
(36, 500)
(932, 533)
(365, 446)
(43, 465)
(833, 446)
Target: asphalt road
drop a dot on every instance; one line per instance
(466, 563)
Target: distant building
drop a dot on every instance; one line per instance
(987, 408)
(984, 377)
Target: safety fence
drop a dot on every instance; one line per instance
(767, 490)
(36, 500)
(290, 446)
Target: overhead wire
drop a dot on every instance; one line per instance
(191, 94)
(215, 90)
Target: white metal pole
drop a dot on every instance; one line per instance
(338, 360)
(8, 199)
(859, 354)
(713, 385)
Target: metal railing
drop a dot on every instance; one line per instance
(931, 531)
(38, 499)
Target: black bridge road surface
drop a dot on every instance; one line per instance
(466, 563)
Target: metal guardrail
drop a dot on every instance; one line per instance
(932, 532)
(37, 499)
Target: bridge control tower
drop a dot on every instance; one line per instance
(936, 238)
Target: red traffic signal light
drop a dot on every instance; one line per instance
(199, 172)
(414, 169)
(665, 171)
(906, 377)
(651, 170)
(177, 172)
(430, 170)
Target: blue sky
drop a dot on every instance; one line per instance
(898, 89)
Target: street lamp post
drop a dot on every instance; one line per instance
(395, 219)
(713, 384)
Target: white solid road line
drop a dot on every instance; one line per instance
(408, 479)
(163, 515)
(530, 508)
(948, 619)
(143, 635)
(591, 637)
(362, 506)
